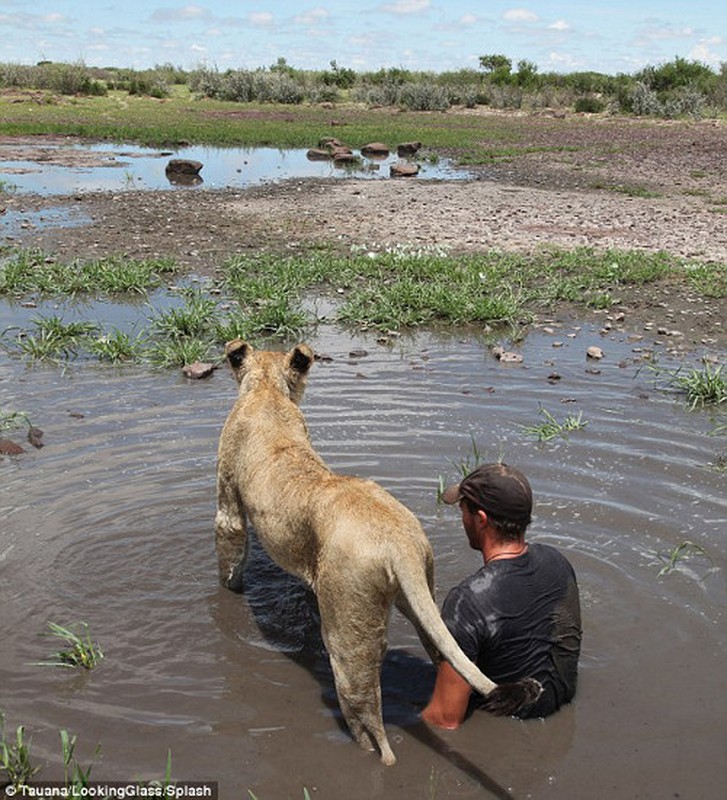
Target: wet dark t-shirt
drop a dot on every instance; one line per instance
(520, 617)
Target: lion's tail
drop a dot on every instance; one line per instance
(502, 699)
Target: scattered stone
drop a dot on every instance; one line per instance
(554, 377)
(344, 157)
(594, 352)
(408, 148)
(183, 166)
(35, 437)
(318, 154)
(8, 448)
(76, 415)
(358, 353)
(198, 370)
(330, 142)
(375, 150)
(403, 170)
(505, 356)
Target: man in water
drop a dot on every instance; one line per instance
(519, 614)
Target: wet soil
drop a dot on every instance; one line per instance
(598, 182)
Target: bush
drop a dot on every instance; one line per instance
(589, 105)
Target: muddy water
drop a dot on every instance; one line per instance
(111, 523)
(59, 169)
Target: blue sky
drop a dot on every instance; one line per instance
(437, 35)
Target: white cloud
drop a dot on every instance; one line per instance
(406, 7)
(559, 25)
(260, 19)
(313, 17)
(702, 51)
(561, 60)
(180, 14)
(520, 15)
(468, 19)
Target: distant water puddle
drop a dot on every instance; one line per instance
(68, 168)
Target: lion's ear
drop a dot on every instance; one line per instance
(300, 359)
(237, 351)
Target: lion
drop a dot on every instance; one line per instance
(358, 548)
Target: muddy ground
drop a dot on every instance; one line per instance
(615, 183)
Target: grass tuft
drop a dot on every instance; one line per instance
(81, 650)
(550, 428)
(679, 553)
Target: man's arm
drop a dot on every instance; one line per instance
(448, 705)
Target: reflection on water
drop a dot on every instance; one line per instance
(112, 523)
(131, 167)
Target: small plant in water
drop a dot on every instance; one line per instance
(15, 757)
(75, 777)
(705, 386)
(13, 419)
(550, 428)
(679, 553)
(82, 650)
(53, 338)
(116, 346)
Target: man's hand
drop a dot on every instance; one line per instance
(448, 705)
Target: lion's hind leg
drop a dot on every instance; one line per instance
(356, 652)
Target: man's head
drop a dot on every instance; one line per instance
(502, 492)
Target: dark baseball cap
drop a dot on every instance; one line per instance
(498, 489)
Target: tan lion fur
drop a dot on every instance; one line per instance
(359, 549)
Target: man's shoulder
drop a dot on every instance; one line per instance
(547, 556)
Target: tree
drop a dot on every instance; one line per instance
(497, 67)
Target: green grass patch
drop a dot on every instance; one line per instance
(80, 650)
(15, 757)
(702, 386)
(30, 270)
(709, 279)
(551, 428)
(268, 296)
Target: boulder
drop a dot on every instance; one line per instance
(8, 448)
(403, 170)
(183, 166)
(198, 370)
(408, 148)
(375, 150)
(318, 154)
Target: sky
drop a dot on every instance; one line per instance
(620, 36)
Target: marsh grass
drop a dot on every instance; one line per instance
(15, 757)
(75, 777)
(551, 428)
(708, 279)
(52, 339)
(179, 352)
(117, 346)
(31, 270)
(702, 386)
(10, 420)
(81, 650)
(682, 551)
(266, 295)
(195, 319)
